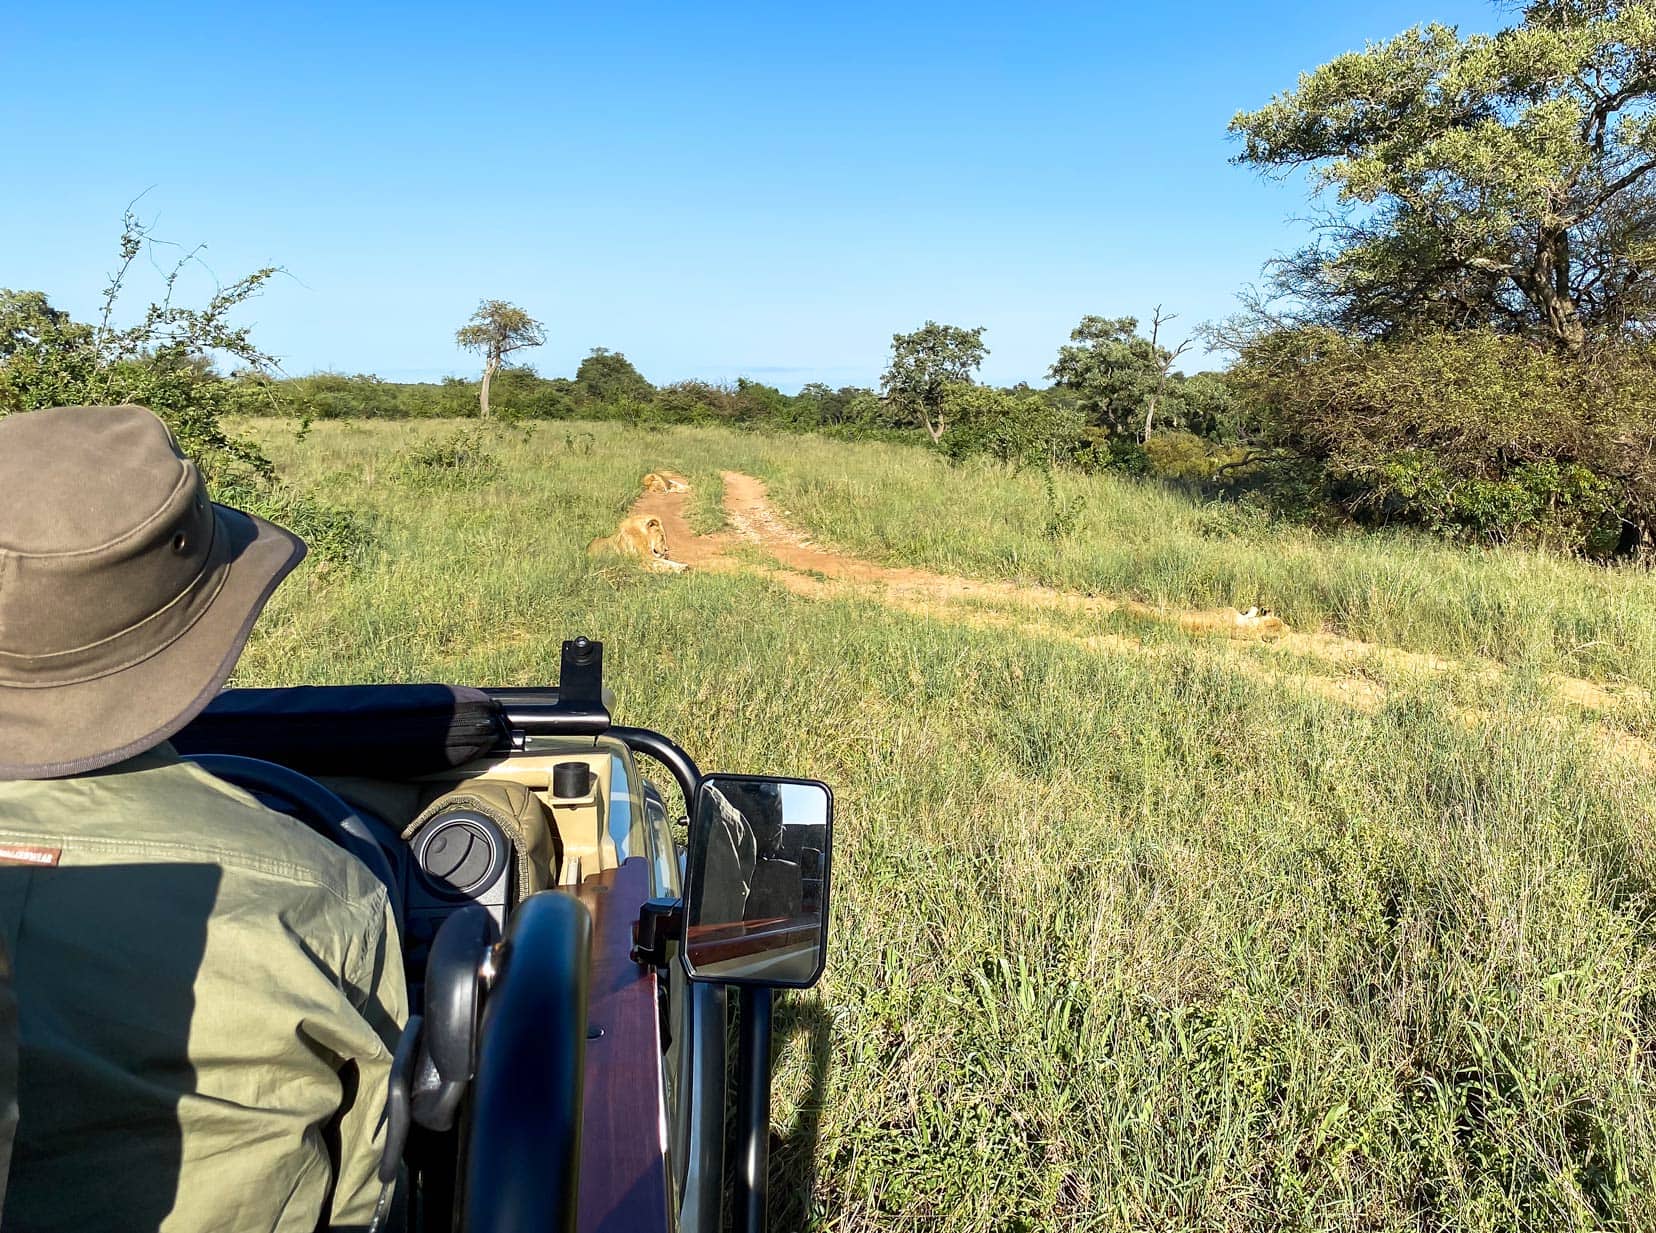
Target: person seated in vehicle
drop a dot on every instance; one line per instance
(746, 875)
(777, 886)
(727, 863)
(208, 992)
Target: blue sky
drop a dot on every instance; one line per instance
(715, 190)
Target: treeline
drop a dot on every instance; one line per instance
(606, 386)
(1103, 386)
(1468, 346)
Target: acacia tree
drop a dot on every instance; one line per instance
(496, 330)
(1503, 181)
(925, 364)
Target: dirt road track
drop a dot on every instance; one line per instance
(811, 569)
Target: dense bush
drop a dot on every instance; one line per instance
(164, 361)
(1471, 434)
(48, 359)
(1013, 426)
(1186, 456)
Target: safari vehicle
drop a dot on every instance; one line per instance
(569, 963)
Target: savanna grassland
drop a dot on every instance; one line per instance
(1136, 927)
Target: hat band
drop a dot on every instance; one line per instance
(132, 645)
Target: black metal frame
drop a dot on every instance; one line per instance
(549, 712)
(523, 1141)
(753, 1101)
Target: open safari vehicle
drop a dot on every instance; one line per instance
(572, 967)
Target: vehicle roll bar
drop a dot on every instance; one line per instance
(666, 751)
(523, 1161)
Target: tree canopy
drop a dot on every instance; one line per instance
(1111, 369)
(1501, 181)
(496, 330)
(925, 364)
(610, 377)
(1124, 383)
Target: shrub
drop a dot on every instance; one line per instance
(1013, 427)
(461, 459)
(1106, 451)
(1471, 434)
(163, 362)
(334, 536)
(1184, 455)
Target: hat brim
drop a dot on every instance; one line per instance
(47, 733)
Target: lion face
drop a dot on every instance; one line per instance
(655, 536)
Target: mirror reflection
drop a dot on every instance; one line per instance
(758, 880)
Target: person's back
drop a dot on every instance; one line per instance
(207, 992)
(192, 973)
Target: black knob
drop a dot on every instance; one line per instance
(571, 780)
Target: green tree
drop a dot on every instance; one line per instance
(30, 325)
(163, 360)
(47, 359)
(609, 377)
(925, 364)
(496, 330)
(1121, 379)
(1018, 426)
(1502, 181)
(1211, 408)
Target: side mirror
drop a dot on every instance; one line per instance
(756, 899)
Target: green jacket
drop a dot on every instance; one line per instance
(208, 997)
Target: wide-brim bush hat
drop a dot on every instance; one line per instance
(125, 594)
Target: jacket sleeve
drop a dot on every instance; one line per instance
(379, 995)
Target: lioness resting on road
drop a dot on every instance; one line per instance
(643, 537)
(664, 481)
(1255, 622)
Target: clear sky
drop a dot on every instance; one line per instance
(716, 190)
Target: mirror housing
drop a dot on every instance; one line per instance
(756, 887)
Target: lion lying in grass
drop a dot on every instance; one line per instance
(1255, 622)
(664, 481)
(640, 536)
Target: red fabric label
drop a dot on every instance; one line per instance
(20, 854)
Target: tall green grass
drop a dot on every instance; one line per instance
(1120, 942)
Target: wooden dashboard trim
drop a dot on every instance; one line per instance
(623, 1187)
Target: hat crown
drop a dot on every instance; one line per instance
(106, 542)
(73, 479)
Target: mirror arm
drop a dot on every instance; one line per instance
(753, 1101)
(660, 921)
